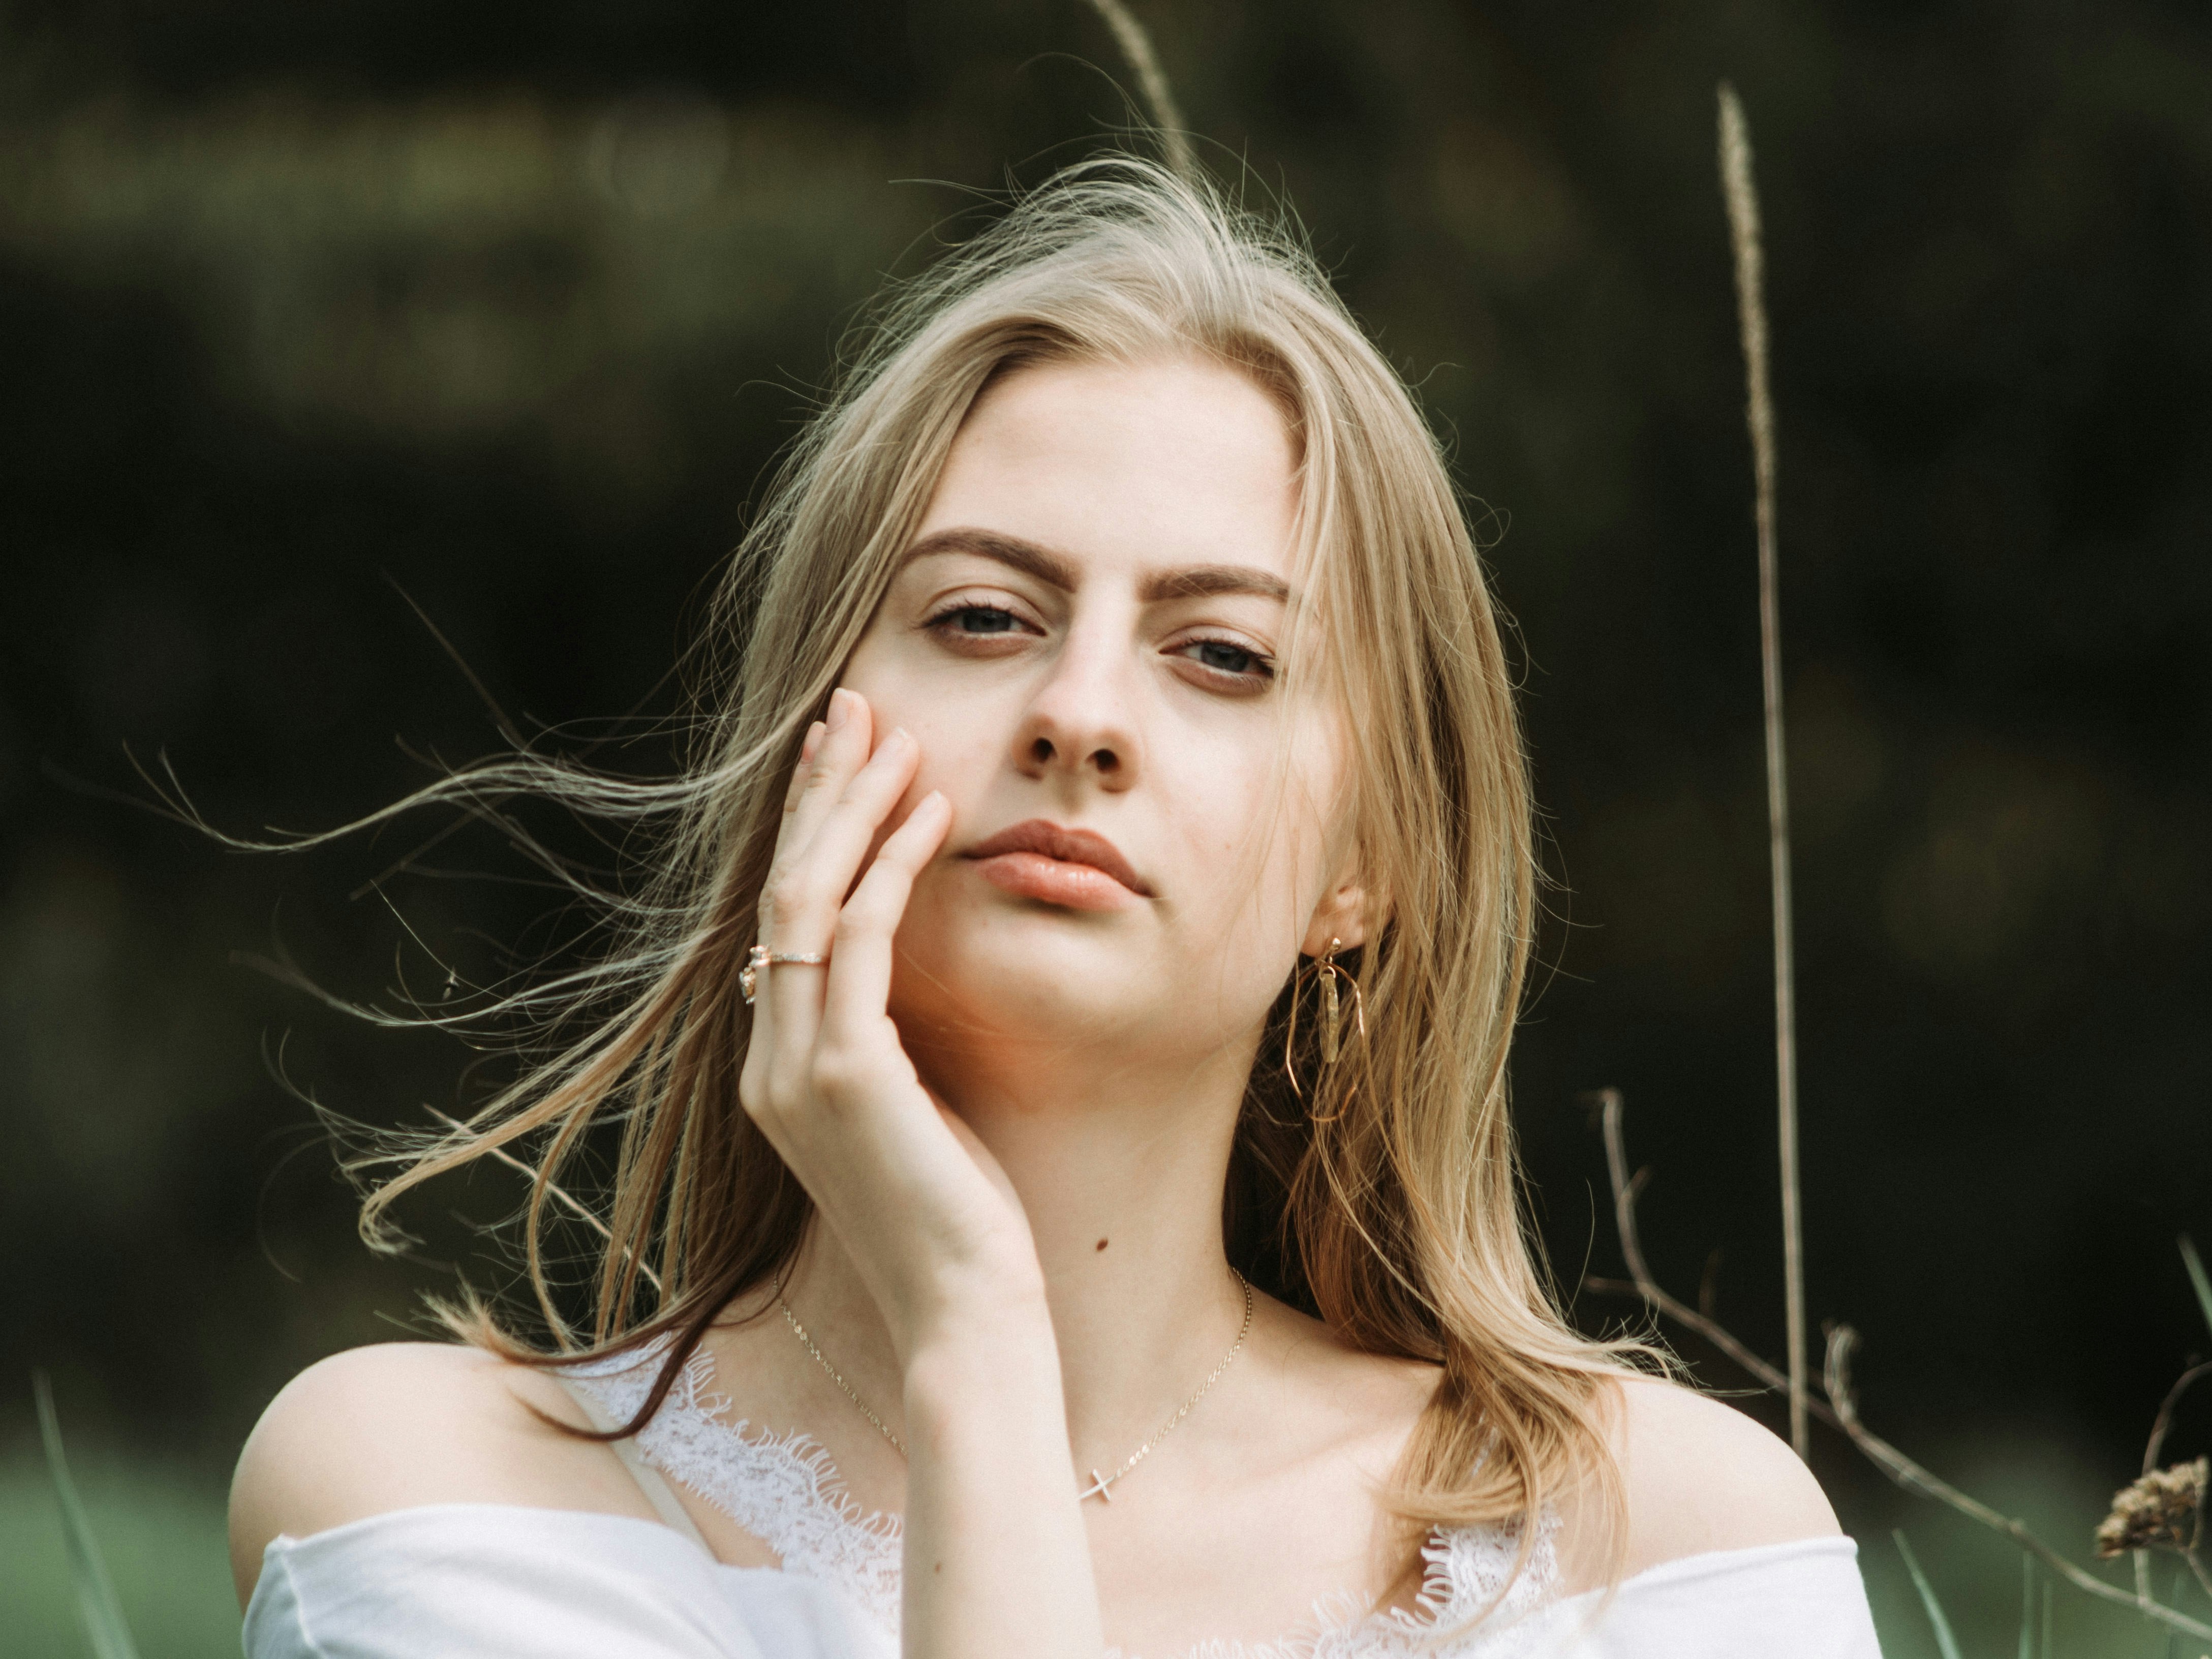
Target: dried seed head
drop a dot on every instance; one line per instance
(2162, 1510)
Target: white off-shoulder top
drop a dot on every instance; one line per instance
(487, 1579)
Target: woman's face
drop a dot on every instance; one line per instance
(1086, 638)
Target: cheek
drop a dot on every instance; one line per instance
(961, 751)
(1257, 839)
(959, 731)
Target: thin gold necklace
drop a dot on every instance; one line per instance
(823, 1360)
(1101, 1486)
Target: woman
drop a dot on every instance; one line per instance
(1065, 1193)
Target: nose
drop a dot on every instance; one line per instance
(1080, 726)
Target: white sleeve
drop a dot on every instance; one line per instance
(471, 1581)
(1804, 1599)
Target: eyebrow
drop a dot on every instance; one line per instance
(1055, 569)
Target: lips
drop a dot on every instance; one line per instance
(1077, 869)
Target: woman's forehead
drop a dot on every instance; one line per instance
(1172, 461)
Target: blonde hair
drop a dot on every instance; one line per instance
(1384, 1196)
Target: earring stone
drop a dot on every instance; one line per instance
(1331, 1011)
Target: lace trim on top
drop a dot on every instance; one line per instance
(784, 1490)
(1470, 1574)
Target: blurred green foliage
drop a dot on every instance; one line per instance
(513, 306)
(100, 1611)
(1939, 1624)
(160, 1528)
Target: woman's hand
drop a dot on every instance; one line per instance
(998, 1564)
(923, 1209)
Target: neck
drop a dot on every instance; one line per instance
(1119, 1171)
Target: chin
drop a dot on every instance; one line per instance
(976, 967)
(1024, 977)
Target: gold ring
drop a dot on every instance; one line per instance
(761, 957)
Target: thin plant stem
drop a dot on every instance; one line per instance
(2197, 1280)
(1841, 1409)
(1136, 44)
(1625, 1190)
(1742, 198)
(1841, 1340)
(2160, 1426)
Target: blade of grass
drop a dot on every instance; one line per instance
(2026, 1607)
(1136, 44)
(2194, 1263)
(96, 1601)
(1944, 1640)
(1741, 195)
(1843, 1340)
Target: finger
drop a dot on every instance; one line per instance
(861, 955)
(798, 903)
(799, 773)
(847, 740)
(830, 863)
(814, 885)
(752, 1075)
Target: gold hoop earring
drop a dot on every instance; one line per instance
(1332, 1014)
(1332, 975)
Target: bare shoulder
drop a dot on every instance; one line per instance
(403, 1425)
(1341, 1399)
(1702, 1476)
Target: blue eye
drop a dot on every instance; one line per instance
(1229, 659)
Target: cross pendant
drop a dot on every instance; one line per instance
(1100, 1487)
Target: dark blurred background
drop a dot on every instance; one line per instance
(509, 307)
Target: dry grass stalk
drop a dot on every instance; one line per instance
(2163, 1510)
(1742, 198)
(2162, 1424)
(1626, 1188)
(1840, 1410)
(1136, 45)
(1843, 1340)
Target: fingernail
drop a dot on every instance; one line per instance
(812, 743)
(901, 736)
(838, 706)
